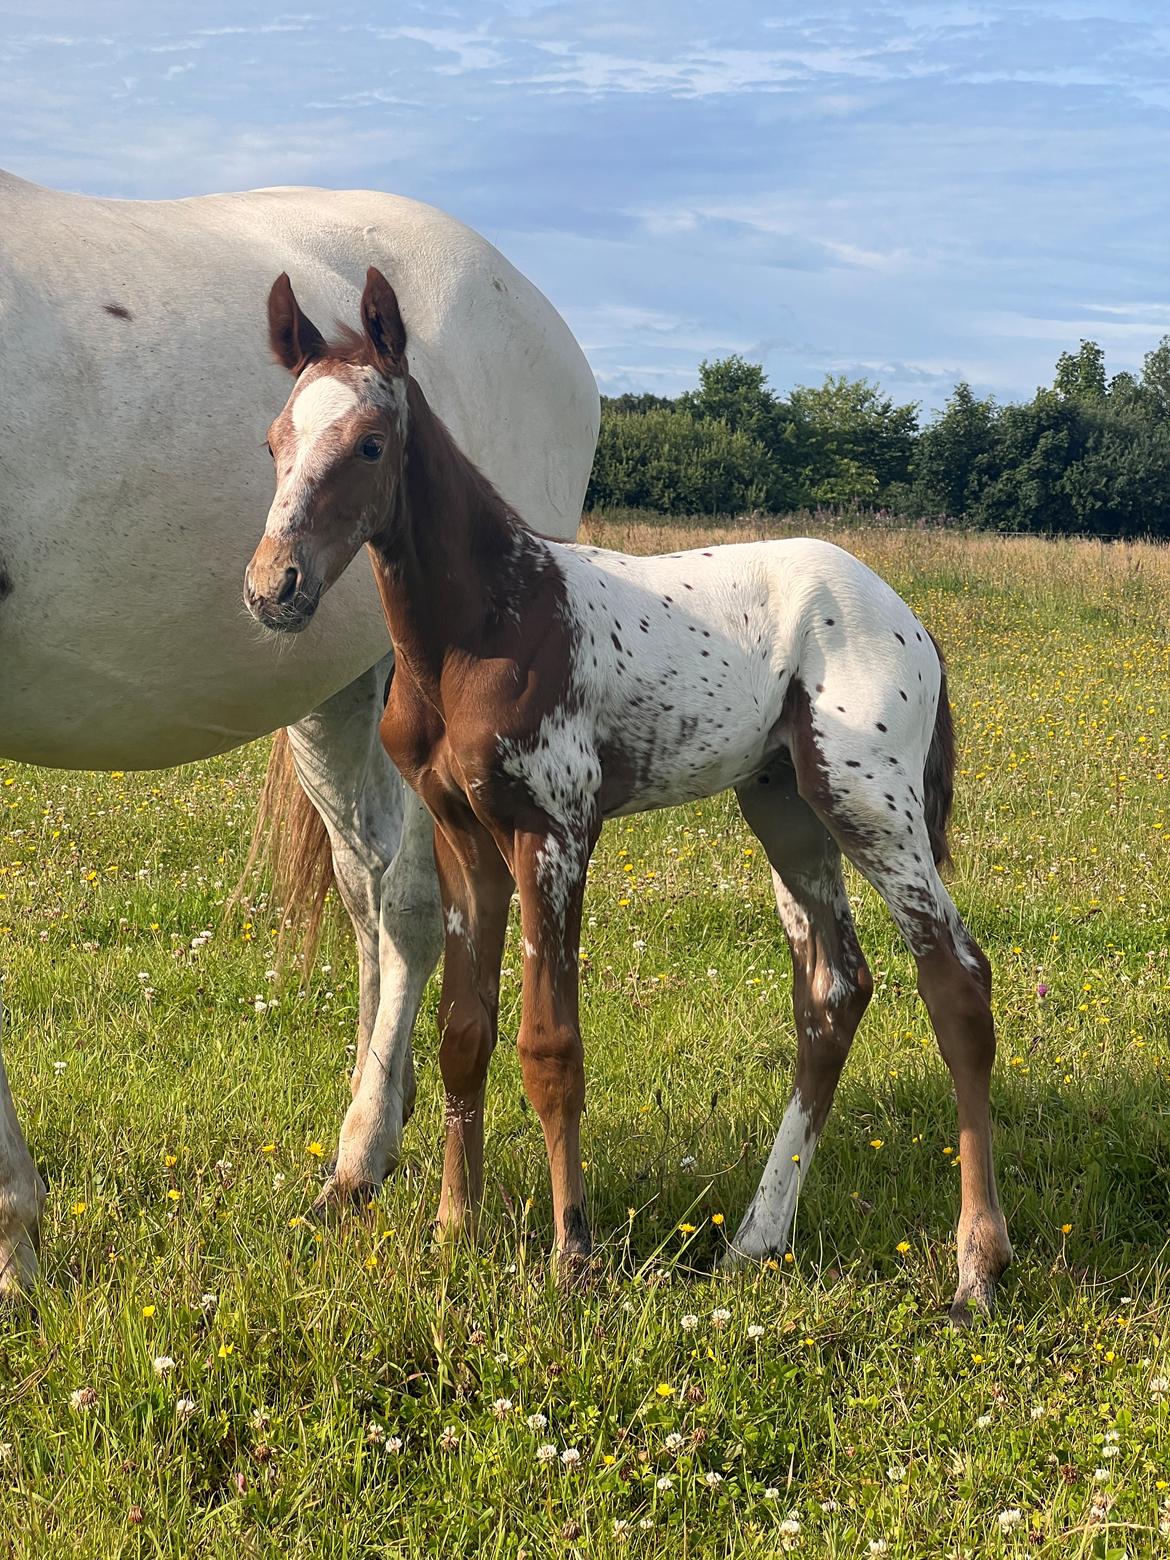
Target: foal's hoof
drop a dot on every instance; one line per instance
(338, 1198)
(575, 1267)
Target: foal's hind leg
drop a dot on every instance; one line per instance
(873, 804)
(831, 986)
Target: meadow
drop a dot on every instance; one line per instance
(205, 1372)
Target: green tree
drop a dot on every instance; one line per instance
(674, 463)
(853, 441)
(1080, 375)
(953, 454)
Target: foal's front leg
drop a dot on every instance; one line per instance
(550, 874)
(476, 889)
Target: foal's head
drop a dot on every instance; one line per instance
(337, 447)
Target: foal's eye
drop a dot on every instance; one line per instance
(371, 447)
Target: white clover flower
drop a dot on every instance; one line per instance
(687, 1162)
(83, 1398)
(1159, 1386)
(720, 1317)
(502, 1407)
(878, 1546)
(1111, 1449)
(1038, 1411)
(570, 1456)
(620, 1527)
(646, 1523)
(1010, 1519)
(208, 1303)
(665, 1482)
(184, 1407)
(375, 1435)
(895, 1473)
(59, 1067)
(689, 1323)
(790, 1527)
(546, 1454)
(163, 1365)
(983, 1421)
(449, 1439)
(536, 1422)
(1101, 1475)
(712, 1479)
(393, 1444)
(674, 1442)
(771, 1493)
(755, 1330)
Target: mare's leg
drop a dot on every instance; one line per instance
(870, 795)
(550, 874)
(22, 1197)
(384, 867)
(831, 986)
(476, 888)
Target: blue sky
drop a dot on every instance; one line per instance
(916, 191)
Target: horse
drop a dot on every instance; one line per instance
(131, 460)
(541, 688)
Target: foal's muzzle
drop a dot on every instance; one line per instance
(283, 601)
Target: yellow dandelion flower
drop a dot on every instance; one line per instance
(664, 1389)
(877, 1142)
(686, 1229)
(716, 1218)
(173, 1195)
(225, 1349)
(1066, 1229)
(79, 1208)
(316, 1149)
(269, 1148)
(902, 1247)
(148, 1311)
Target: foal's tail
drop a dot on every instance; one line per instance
(289, 838)
(938, 776)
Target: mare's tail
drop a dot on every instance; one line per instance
(289, 838)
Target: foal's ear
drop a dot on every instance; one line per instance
(294, 339)
(382, 323)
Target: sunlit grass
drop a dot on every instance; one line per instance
(181, 1095)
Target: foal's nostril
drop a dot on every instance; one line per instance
(289, 587)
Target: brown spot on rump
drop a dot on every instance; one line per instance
(118, 310)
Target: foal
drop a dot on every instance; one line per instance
(541, 688)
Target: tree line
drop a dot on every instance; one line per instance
(1089, 454)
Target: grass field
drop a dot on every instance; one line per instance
(205, 1373)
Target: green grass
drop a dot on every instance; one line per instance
(181, 1130)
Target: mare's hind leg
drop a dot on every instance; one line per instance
(383, 862)
(22, 1197)
(871, 797)
(831, 986)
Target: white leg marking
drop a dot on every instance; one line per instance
(767, 1224)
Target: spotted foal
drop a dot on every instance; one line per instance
(541, 688)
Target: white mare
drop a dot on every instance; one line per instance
(133, 407)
